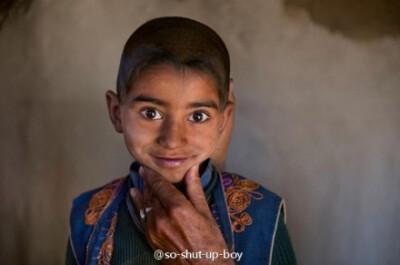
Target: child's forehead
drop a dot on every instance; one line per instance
(163, 72)
(170, 87)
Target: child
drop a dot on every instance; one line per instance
(172, 107)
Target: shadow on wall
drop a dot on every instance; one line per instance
(10, 8)
(357, 19)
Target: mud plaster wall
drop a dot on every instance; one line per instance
(357, 19)
(318, 121)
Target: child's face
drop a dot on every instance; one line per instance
(171, 120)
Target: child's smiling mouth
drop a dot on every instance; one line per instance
(169, 161)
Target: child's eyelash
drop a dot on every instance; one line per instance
(151, 113)
(204, 118)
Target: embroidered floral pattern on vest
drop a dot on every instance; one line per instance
(99, 201)
(238, 195)
(101, 240)
(108, 244)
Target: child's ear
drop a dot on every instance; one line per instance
(114, 110)
(228, 113)
(228, 118)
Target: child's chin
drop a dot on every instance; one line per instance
(174, 179)
(173, 176)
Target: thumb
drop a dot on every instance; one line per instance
(137, 198)
(194, 191)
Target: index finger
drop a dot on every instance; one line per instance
(159, 187)
(195, 191)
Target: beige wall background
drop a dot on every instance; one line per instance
(318, 119)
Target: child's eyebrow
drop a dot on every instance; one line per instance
(143, 98)
(199, 104)
(206, 104)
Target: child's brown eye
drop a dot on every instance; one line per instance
(151, 114)
(199, 117)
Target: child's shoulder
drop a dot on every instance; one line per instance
(235, 182)
(95, 206)
(250, 204)
(98, 197)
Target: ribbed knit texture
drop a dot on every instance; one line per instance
(130, 245)
(283, 251)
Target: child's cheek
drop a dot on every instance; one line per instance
(136, 138)
(207, 144)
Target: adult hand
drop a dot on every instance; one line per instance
(176, 223)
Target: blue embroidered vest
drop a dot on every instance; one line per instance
(248, 215)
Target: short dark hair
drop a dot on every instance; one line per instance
(176, 41)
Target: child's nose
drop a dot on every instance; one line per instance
(173, 134)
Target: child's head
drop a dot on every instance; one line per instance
(177, 42)
(172, 91)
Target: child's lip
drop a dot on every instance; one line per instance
(169, 161)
